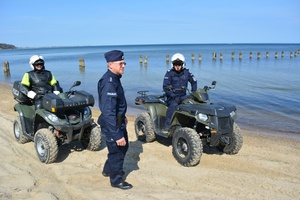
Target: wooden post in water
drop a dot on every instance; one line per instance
(81, 64)
(193, 57)
(250, 54)
(6, 69)
(221, 56)
(232, 55)
(145, 60)
(282, 54)
(240, 55)
(214, 56)
(167, 58)
(291, 54)
(267, 54)
(141, 59)
(258, 55)
(199, 57)
(276, 54)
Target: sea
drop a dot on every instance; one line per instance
(261, 80)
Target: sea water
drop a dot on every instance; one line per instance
(265, 90)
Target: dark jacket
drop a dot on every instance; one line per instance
(112, 104)
(41, 82)
(175, 83)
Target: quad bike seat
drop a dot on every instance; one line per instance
(151, 99)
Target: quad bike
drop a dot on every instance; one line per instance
(64, 118)
(196, 122)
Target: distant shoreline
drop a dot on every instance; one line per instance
(125, 45)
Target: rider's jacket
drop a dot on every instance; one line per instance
(41, 82)
(175, 83)
(112, 104)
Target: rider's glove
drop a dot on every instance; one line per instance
(31, 94)
(56, 92)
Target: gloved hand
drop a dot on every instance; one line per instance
(31, 94)
(56, 92)
(177, 100)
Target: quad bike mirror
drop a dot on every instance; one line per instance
(76, 83)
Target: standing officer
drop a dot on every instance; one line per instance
(113, 106)
(175, 84)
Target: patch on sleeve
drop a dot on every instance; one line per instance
(112, 94)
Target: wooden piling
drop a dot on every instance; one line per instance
(167, 58)
(221, 56)
(141, 59)
(291, 54)
(81, 64)
(250, 54)
(282, 54)
(6, 69)
(232, 55)
(276, 54)
(258, 55)
(214, 56)
(267, 54)
(199, 57)
(240, 55)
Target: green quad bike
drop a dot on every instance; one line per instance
(64, 118)
(196, 122)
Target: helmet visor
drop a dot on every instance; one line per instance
(177, 63)
(39, 62)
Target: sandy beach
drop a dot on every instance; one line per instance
(267, 167)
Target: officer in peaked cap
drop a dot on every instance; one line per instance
(113, 106)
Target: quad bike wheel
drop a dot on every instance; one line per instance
(143, 128)
(235, 141)
(92, 140)
(18, 131)
(45, 145)
(187, 147)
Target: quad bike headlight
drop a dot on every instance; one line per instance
(52, 117)
(87, 112)
(202, 117)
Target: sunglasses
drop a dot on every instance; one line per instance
(39, 65)
(121, 63)
(177, 63)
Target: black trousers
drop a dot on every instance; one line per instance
(115, 157)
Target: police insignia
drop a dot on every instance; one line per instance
(114, 94)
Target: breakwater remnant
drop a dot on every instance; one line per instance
(6, 69)
(81, 64)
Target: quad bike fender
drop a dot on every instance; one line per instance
(157, 114)
(26, 113)
(157, 110)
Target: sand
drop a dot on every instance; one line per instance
(267, 167)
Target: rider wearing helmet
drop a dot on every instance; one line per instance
(175, 84)
(38, 81)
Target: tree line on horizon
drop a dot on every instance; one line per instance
(7, 46)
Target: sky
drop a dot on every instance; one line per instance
(34, 23)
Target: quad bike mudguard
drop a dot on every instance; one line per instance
(26, 113)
